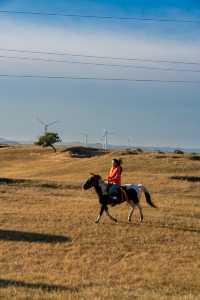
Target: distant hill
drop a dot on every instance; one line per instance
(110, 146)
(145, 148)
(7, 142)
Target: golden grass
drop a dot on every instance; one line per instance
(51, 248)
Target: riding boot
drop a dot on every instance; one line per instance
(115, 199)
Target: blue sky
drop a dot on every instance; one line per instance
(157, 114)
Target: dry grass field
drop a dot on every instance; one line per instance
(50, 247)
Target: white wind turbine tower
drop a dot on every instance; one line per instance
(85, 139)
(105, 137)
(130, 142)
(46, 125)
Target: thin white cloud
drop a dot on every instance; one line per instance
(49, 38)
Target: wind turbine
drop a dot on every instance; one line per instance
(85, 139)
(46, 125)
(105, 137)
(129, 142)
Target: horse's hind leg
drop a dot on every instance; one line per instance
(141, 213)
(109, 215)
(130, 213)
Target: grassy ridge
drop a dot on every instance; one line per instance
(51, 248)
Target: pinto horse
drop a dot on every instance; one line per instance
(130, 193)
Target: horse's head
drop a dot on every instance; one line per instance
(93, 181)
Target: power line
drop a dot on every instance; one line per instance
(101, 57)
(98, 64)
(97, 78)
(135, 19)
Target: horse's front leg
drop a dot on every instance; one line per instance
(100, 214)
(108, 214)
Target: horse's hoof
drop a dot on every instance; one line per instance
(96, 222)
(115, 220)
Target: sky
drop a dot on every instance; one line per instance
(145, 113)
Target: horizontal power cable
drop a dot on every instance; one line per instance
(97, 78)
(101, 57)
(135, 19)
(98, 64)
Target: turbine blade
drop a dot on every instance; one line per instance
(40, 121)
(52, 123)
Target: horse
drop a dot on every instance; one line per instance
(130, 193)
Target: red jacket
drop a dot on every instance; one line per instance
(114, 176)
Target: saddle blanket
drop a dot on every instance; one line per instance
(136, 187)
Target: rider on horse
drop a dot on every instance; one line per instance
(114, 178)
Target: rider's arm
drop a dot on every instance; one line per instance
(115, 175)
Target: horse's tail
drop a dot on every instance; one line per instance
(148, 197)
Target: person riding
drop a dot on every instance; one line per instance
(114, 177)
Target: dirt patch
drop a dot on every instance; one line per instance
(38, 183)
(4, 146)
(84, 152)
(129, 152)
(32, 237)
(168, 156)
(196, 157)
(187, 178)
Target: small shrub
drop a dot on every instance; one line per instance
(48, 140)
(178, 151)
(139, 150)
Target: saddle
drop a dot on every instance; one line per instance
(118, 197)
